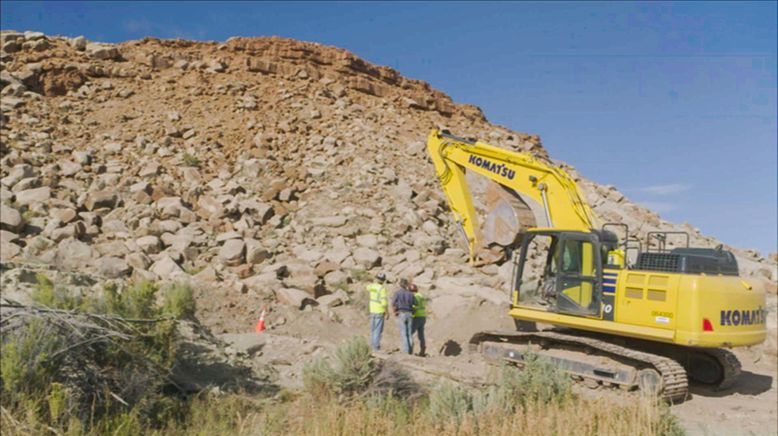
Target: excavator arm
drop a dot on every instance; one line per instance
(549, 193)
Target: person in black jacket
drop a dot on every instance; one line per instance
(402, 304)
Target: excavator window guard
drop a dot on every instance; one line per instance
(571, 278)
(661, 238)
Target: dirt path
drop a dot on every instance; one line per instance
(748, 408)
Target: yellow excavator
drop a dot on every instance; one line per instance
(616, 312)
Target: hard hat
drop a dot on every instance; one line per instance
(381, 277)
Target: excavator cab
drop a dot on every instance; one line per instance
(561, 271)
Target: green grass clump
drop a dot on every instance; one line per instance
(190, 160)
(349, 371)
(179, 301)
(450, 403)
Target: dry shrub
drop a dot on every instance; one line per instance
(352, 370)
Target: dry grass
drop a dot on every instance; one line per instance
(348, 393)
(579, 417)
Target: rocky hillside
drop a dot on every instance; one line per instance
(265, 169)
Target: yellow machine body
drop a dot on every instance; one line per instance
(670, 308)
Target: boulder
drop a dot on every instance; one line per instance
(167, 269)
(369, 241)
(367, 257)
(9, 250)
(323, 268)
(78, 43)
(255, 252)
(138, 261)
(209, 207)
(335, 278)
(102, 51)
(294, 297)
(264, 283)
(101, 199)
(113, 267)
(10, 219)
(170, 207)
(232, 252)
(337, 255)
(33, 196)
(331, 300)
(73, 254)
(65, 215)
(149, 244)
(329, 221)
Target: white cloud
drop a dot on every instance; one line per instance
(669, 189)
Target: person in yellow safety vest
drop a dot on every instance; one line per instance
(378, 310)
(419, 318)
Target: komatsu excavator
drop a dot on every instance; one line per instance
(650, 321)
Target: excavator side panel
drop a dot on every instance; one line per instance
(735, 312)
(647, 298)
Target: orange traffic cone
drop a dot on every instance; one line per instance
(261, 323)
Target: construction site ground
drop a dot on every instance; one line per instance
(749, 407)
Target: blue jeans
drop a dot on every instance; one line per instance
(418, 327)
(376, 328)
(404, 321)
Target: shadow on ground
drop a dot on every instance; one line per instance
(748, 383)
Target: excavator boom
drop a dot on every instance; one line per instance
(549, 193)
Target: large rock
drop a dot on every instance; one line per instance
(113, 267)
(73, 254)
(330, 221)
(33, 196)
(102, 51)
(209, 207)
(149, 244)
(9, 250)
(171, 207)
(256, 252)
(232, 252)
(10, 219)
(101, 199)
(78, 43)
(167, 269)
(335, 278)
(294, 297)
(367, 257)
(337, 298)
(368, 241)
(138, 261)
(264, 283)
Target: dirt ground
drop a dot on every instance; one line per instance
(749, 408)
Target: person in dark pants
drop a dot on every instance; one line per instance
(402, 304)
(419, 318)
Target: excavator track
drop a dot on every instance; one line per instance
(714, 367)
(730, 365)
(651, 372)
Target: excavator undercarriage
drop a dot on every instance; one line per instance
(607, 361)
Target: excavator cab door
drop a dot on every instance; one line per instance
(559, 272)
(578, 274)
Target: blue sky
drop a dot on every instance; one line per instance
(674, 103)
